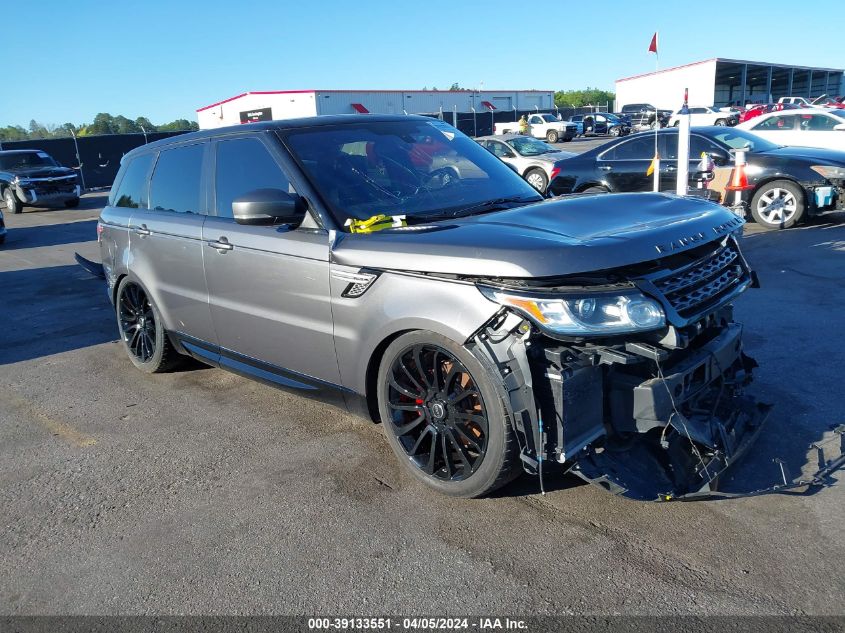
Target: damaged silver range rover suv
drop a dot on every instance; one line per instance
(489, 330)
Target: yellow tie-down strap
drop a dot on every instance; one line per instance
(376, 223)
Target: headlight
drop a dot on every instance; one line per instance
(21, 182)
(830, 172)
(586, 314)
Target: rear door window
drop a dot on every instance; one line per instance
(244, 165)
(636, 149)
(777, 123)
(132, 191)
(177, 180)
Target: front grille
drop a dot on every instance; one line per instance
(705, 284)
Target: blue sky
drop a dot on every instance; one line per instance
(165, 59)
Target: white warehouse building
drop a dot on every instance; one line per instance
(289, 104)
(722, 82)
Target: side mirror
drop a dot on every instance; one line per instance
(839, 127)
(268, 206)
(719, 158)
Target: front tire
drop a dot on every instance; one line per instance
(537, 178)
(615, 131)
(444, 417)
(13, 205)
(142, 330)
(552, 136)
(778, 205)
(721, 122)
(72, 203)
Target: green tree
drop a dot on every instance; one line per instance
(103, 124)
(36, 130)
(122, 125)
(144, 122)
(587, 96)
(13, 133)
(179, 125)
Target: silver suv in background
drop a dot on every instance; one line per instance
(397, 262)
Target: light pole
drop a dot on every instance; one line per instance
(145, 133)
(78, 160)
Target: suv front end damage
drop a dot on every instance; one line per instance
(652, 415)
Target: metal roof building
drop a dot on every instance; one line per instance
(287, 104)
(721, 82)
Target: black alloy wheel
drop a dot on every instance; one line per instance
(437, 412)
(137, 322)
(142, 329)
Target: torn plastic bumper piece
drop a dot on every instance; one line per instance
(685, 466)
(91, 267)
(821, 478)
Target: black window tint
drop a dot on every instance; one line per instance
(635, 149)
(176, 180)
(244, 165)
(698, 144)
(132, 191)
(668, 146)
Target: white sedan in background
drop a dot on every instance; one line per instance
(705, 116)
(804, 127)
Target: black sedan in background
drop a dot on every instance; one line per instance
(786, 184)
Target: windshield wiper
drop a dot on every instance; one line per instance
(488, 206)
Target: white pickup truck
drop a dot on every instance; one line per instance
(800, 101)
(545, 126)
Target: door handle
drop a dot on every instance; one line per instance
(222, 245)
(605, 167)
(142, 230)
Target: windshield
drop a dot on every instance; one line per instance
(414, 168)
(737, 139)
(528, 146)
(26, 160)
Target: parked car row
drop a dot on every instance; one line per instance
(785, 184)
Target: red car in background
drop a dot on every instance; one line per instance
(763, 108)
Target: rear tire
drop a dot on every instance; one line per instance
(142, 330)
(444, 417)
(537, 178)
(13, 205)
(72, 203)
(778, 205)
(552, 136)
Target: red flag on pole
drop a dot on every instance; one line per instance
(652, 48)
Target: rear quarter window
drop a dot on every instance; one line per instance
(177, 179)
(132, 183)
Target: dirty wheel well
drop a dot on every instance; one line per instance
(372, 374)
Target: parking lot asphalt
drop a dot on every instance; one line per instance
(202, 492)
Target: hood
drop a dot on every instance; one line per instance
(43, 172)
(814, 155)
(555, 237)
